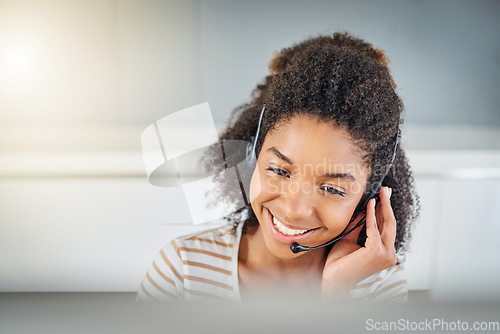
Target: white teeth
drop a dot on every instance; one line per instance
(285, 230)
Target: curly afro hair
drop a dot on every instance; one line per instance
(345, 81)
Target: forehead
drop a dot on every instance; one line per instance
(306, 139)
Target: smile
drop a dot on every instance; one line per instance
(285, 230)
(284, 233)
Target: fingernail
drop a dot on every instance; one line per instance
(374, 202)
(389, 192)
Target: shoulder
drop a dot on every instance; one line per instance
(192, 264)
(207, 251)
(219, 240)
(389, 285)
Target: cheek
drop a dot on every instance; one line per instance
(357, 188)
(262, 188)
(255, 185)
(337, 216)
(259, 193)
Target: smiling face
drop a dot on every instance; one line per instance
(307, 183)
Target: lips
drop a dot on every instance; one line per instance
(285, 230)
(286, 234)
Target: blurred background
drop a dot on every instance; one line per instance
(81, 79)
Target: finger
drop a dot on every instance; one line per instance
(379, 216)
(389, 228)
(372, 231)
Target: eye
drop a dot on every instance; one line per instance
(278, 171)
(333, 191)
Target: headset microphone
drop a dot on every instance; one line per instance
(296, 248)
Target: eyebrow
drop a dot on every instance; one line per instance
(280, 155)
(328, 175)
(340, 176)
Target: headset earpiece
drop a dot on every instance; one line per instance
(250, 148)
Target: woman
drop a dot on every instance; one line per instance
(327, 140)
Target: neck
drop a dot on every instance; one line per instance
(258, 264)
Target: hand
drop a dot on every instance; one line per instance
(348, 263)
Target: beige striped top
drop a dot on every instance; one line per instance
(205, 265)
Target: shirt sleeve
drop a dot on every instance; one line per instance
(164, 280)
(389, 285)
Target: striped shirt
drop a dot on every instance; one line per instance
(205, 265)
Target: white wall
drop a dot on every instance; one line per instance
(118, 62)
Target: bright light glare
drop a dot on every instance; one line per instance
(17, 63)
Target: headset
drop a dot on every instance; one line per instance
(361, 208)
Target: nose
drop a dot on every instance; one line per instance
(297, 201)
